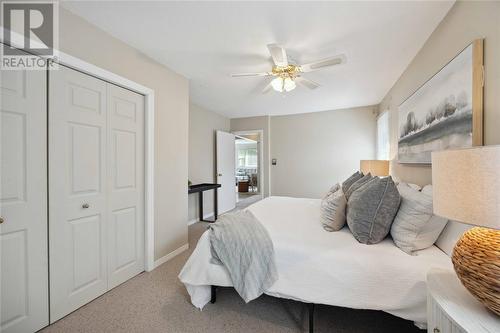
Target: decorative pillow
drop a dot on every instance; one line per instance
(372, 209)
(415, 227)
(332, 189)
(351, 180)
(398, 181)
(427, 190)
(414, 186)
(450, 236)
(333, 210)
(357, 184)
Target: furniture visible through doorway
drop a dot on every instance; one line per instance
(200, 188)
(243, 186)
(253, 181)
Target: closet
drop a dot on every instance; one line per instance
(96, 188)
(72, 193)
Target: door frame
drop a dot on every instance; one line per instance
(261, 179)
(80, 65)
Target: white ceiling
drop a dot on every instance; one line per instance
(207, 41)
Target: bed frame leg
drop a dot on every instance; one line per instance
(311, 317)
(213, 294)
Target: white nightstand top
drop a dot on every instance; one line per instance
(458, 303)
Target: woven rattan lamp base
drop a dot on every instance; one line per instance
(476, 258)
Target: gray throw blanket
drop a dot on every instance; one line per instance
(240, 242)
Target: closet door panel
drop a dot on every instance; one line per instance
(77, 190)
(125, 184)
(23, 201)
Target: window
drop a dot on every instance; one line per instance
(241, 157)
(247, 157)
(383, 144)
(251, 158)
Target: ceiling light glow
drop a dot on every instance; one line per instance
(277, 84)
(289, 84)
(283, 84)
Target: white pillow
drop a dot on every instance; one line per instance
(450, 236)
(333, 210)
(398, 181)
(427, 190)
(414, 186)
(415, 227)
(331, 190)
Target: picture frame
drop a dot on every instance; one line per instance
(446, 112)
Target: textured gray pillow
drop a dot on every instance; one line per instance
(372, 209)
(333, 210)
(357, 184)
(351, 180)
(415, 227)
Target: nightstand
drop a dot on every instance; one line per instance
(452, 309)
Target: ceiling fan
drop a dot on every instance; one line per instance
(287, 75)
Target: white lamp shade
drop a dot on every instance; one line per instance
(375, 167)
(466, 185)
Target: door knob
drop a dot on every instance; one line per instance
(85, 206)
(220, 175)
(1, 219)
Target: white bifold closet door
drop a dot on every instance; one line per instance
(23, 201)
(96, 188)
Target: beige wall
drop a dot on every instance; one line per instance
(202, 127)
(257, 123)
(85, 41)
(465, 22)
(316, 150)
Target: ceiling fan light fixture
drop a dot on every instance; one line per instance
(277, 84)
(286, 75)
(281, 84)
(289, 84)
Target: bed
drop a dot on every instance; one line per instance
(320, 267)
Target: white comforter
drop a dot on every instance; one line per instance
(316, 266)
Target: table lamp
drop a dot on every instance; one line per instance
(374, 167)
(466, 186)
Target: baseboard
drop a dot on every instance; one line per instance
(170, 255)
(206, 216)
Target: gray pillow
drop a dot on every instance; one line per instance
(372, 209)
(333, 210)
(351, 180)
(357, 184)
(415, 227)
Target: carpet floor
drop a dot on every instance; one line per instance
(158, 302)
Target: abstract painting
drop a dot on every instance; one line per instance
(439, 115)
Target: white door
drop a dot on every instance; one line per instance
(77, 190)
(226, 173)
(125, 183)
(23, 202)
(96, 191)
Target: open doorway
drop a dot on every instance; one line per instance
(248, 167)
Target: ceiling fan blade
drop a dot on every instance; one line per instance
(307, 83)
(251, 74)
(267, 88)
(278, 54)
(339, 59)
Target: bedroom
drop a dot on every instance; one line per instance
(169, 65)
